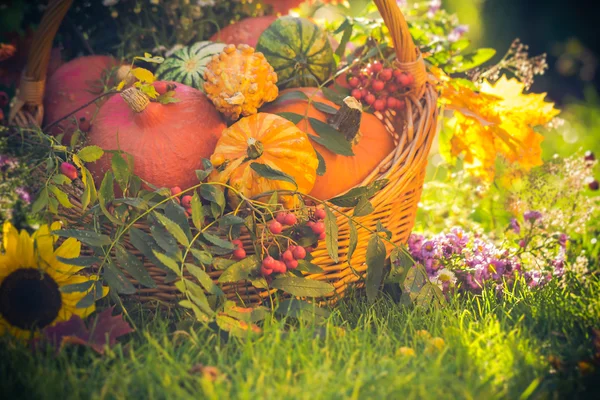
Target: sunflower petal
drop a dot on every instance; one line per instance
(10, 237)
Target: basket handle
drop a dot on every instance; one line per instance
(408, 55)
(28, 108)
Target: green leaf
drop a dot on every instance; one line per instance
(290, 116)
(331, 235)
(333, 96)
(134, 202)
(400, 263)
(61, 196)
(203, 257)
(164, 239)
(217, 241)
(79, 261)
(90, 153)
(322, 168)
(167, 261)
(235, 327)
(301, 309)
(230, 220)
(364, 207)
(134, 267)
(269, 173)
(307, 266)
(204, 279)
(77, 287)
(241, 270)
(291, 95)
(106, 195)
(60, 179)
(472, 60)
(87, 301)
(146, 245)
(116, 280)
(176, 213)
(326, 108)
(90, 238)
(89, 192)
(253, 314)
(202, 174)
(168, 98)
(353, 196)
(302, 287)
(41, 202)
(347, 28)
(375, 264)
(214, 195)
(197, 211)
(353, 239)
(381, 228)
(221, 264)
(173, 229)
(120, 169)
(331, 138)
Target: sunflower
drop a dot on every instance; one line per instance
(31, 278)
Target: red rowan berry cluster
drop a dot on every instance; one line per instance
(380, 87)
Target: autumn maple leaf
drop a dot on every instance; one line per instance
(498, 120)
(101, 332)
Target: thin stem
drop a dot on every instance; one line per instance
(47, 127)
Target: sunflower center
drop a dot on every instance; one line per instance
(29, 299)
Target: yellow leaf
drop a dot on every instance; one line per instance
(121, 85)
(143, 75)
(499, 120)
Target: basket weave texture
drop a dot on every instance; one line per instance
(395, 205)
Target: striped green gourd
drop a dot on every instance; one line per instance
(299, 52)
(187, 65)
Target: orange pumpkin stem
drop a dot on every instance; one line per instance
(135, 99)
(347, 119)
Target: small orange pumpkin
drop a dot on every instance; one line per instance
(264, 139)
(373, 144)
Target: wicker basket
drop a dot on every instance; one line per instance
(395, 205)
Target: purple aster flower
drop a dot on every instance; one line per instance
(532, 216)
(457, 33)
(428, 249)
(415, 243)
(461, 238)
(562, 240)
(434, 7)
(515, 226)
(24, 195)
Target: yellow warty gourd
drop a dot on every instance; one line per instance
(239, 81)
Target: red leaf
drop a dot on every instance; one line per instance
(102, 331)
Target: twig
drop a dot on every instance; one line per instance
(47, 127)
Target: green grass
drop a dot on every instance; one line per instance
(493, 349)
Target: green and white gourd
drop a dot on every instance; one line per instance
(187, 65)
(299, 52)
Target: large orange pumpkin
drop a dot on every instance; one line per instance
(72, 85)
(167, 141)
(374, 143)
(246, 31)
(270, 140)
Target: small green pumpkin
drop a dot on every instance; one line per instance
(299, 52)
(187, 65)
